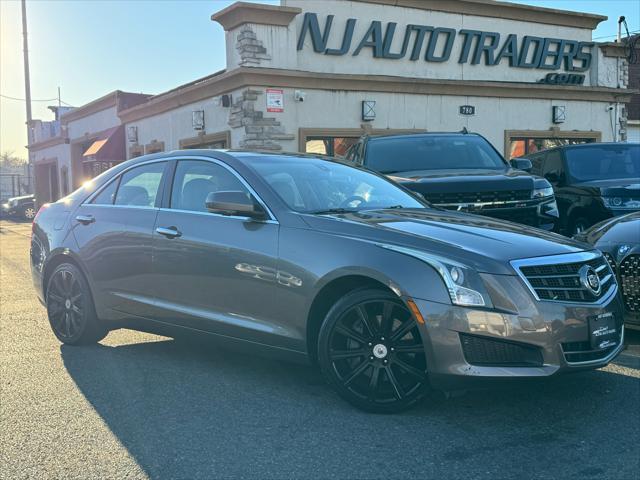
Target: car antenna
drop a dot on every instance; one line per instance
(464, 130)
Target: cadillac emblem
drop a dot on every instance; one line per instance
(589, 278)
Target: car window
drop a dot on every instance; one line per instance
(194, 180)
(604, 162)
(431, 152)
(108, 193)
(553, 163)
(139, 186)
(312, 185)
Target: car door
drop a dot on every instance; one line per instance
(114, 230)
(214, 272)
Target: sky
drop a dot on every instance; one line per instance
(91, 47)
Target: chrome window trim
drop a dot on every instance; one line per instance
(562, 259)
(218, 215)
(234, 173)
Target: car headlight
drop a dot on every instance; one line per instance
(621, 203)
(462, 282)
(542, 189)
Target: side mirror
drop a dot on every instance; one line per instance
(521, 164)
(234, 203)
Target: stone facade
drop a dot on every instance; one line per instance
(251, 50)
(262, 133)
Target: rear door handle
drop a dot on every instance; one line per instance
(85, 219)
(169, 232)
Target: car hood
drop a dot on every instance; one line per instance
(484, 244)
(616, 230)
(464, 180)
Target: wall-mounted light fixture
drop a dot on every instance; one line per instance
(559, 114)
(132, 134)
(197, 119)
(368, 110)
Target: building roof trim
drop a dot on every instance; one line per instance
(498, 9)
(240, 13)
(49, 142)
(267, 77)
(117, 99)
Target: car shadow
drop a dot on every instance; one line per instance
(191, 410)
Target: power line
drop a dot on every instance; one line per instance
(42, 100)
(24, 100)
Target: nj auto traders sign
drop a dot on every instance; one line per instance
(477, 47)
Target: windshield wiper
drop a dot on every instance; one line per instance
(329, 211)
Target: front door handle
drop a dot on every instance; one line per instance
(169, 232)
(85, 219)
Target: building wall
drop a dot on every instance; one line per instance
(281, 44)
(93, 123)
(494, 116)
(175, 125)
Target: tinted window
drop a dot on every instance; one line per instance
(194, 180)
(311, 185)
(108, 193)
(552, 163)
(433, 152)
(139, 186)
(600, 162)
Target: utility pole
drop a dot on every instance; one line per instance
(27, 81)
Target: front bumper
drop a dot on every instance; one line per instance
(553, 330)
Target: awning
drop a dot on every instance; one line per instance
(110, 147)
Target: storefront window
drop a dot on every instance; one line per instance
(213, 145)
(332, 146)
(520, 146)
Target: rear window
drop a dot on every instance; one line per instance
(433, 152)
(602, 162)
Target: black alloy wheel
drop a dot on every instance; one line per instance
(371, 352)
(70, 307)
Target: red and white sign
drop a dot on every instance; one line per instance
(275, 100)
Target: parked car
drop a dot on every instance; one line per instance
(592, 182)
(619, 239)
(22, 207)
(317, 260)
(463, 172)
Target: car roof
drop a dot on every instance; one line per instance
(422, 134)
(590, 145)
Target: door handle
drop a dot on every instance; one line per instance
(85, 219)
(169, 232)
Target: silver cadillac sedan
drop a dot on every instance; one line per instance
(308, 258)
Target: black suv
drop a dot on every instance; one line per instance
(460, 171)
(592, 182)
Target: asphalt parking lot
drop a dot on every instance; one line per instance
(143, 406)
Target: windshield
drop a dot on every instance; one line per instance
(312, 185)
(432, 152)
(603, 162)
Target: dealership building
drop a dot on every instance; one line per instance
(315, 75)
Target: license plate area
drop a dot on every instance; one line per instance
(603, 332)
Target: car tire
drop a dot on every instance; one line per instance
(370, 350)
(70, 307)
(578, 225)
(29, 213)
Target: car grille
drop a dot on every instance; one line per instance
(576, 352)
(610, 260)
(629, 272)
(478, 197)
(489, 352)
(561, 281)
